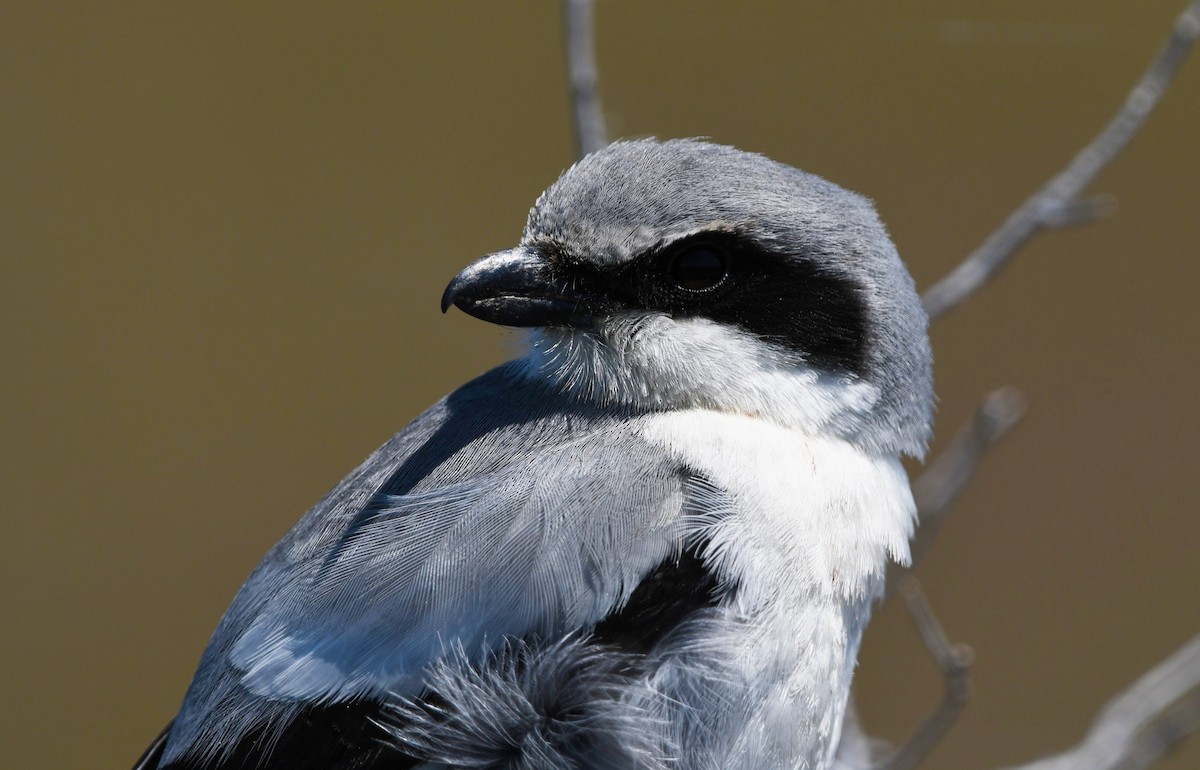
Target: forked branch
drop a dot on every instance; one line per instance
(954, 661)
(951, 472)
(1058, 203)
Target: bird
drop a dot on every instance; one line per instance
(652, 540)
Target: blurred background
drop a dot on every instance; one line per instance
(225, 228)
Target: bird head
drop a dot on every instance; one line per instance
(690, 275)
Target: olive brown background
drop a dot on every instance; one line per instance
(225, 227)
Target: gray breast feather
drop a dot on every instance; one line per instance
(503, 511)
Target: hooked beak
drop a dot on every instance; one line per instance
(515, 288)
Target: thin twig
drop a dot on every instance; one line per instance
(948, 476)
(1058, 202)
(950, 473)
(936, 491)
(579, 30)
(1139, 725)
(954, 661)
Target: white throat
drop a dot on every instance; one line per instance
(654, 361)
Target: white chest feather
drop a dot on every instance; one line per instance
(804, 530)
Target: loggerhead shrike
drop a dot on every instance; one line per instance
(651, 542)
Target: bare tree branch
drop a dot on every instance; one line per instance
(1139, 725)
(579, 30)
(954, 660)
(948, 476)
(936, 491)
(950, 473)
(1161, 735)
(1058, 203)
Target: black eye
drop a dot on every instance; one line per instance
(698, 268)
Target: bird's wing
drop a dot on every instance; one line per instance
(504, 511)
(549, 543)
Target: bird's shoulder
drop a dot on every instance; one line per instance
(504, 511)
